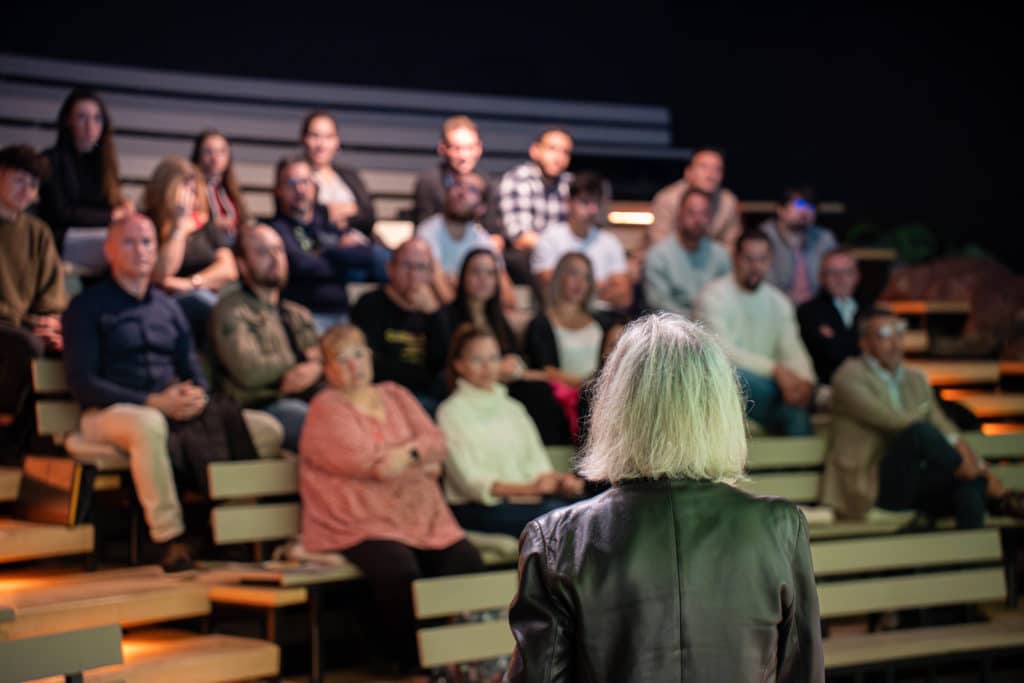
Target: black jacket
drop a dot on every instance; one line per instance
(73, 194)
(363, 220)
(667, 581)
(828, 340)
(430, 193)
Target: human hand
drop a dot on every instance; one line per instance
(423, 299)
(300, 377)
(182, 401)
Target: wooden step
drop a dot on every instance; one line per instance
(10, 481)
(991, 406)
(55, 607)
(20, 541)
(957, 373)
(59, 654)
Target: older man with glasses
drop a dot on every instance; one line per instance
(828, 322)
(890, 443)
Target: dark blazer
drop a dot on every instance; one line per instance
(667, 580)
(363, 220)
(828, 341)
(430, 192)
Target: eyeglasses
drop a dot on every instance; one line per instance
(414, 267)
(890, 329)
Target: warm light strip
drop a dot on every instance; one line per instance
(630, 217)
(957, 394)
(996, 428)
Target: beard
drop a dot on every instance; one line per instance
(275, 280)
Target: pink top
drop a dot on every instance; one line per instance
(343, 503)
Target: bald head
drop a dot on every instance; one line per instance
(411, 266)
(131, 247)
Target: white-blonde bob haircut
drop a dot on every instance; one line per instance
(666, 404)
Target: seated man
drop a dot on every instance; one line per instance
(580, 233)
(460, 149)
(704, 173)
(406, 326)
(798, 244)
(131, 363)
(456, 232)
(677, 268)
(828, 322)
(32, 294)
(533, 195)
(756, 325)
(890, 444)
(321, 256)
(266, 347)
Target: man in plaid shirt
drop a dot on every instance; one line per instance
(536, 193)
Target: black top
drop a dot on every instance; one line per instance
(201, 249)
(73, 195)
(408, 348)
(667, 580)
(432, 186)
(365, 216)
(828, 340)
(119, 349)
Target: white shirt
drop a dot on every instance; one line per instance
(331, 188)
(605, 251)
(449, 252)
(578, 350)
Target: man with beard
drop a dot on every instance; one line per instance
(799, 245)
(756, 325)
(266, 347)
(456, 232)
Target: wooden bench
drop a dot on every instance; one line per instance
(957, 373)
(10, 481)
(63, 655)
(910, 572)
(994, 405)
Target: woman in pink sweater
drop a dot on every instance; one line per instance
(369, 460)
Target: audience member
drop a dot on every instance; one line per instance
(194, 262)
(321, 256)
(677, 268)
(32, 294)
(406, 326)
(890, 443)
(83, 189)
(704, 173)
(211, 152)
(798, 244)
(498, 476)
(460, 149)
(369, 462)
(454, 233)
(580, 233)
(756, 326)
(828, 322)
(339, 188)
(131, 363)
(266, 347)
(478, 301)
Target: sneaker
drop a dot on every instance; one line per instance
(177, 557)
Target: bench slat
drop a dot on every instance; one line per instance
(906, 551)
(10, 483)
(54, 418)
(448, 595)
(60, 653)
(797, 487)
(254, 523)
(252, 478)
(48, 376)
(996, 446)
(458, 643)
(768, 452)
(20, 541)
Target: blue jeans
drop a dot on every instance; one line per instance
(503, 518)
(291, 413)
(766, 407)
(377, 270)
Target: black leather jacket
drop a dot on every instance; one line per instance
(667, 580)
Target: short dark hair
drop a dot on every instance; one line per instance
(587, 184)
(552, 129)
(285, 162)
(805, 192)
(708, 148)
(752, 235)
(870, 313)
(319, 113)
(25, 158)
(691, 191)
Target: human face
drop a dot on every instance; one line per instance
(705, 171)
(464, 197)
(214, 157)
(481, 278)
(321, 141)
(462, 149)
(552, 153)
(884, 341)
(18, 189)
(583, 210)
(798, 213)
(351, 365)
(839, 275)
(575, 282)
(752, 262)
(131, 248)
(296, 190)
(86, 122)
(265, 263)
(694, 217)
(411, 268)
(480, 362)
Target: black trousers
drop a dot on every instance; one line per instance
(17, 349)
(390, 569)
(917, 473)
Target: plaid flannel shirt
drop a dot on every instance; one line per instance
(527, 204)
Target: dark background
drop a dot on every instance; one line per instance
(903, 113)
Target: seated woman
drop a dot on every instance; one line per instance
(194, 262)
(83, 189)
(495, 453)
(565, 340)
(212, 154)
(478, 301)
(369, 460)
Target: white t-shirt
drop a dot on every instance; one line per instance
(331, 188)
(605, 251)
(449, 252)
(578, 350)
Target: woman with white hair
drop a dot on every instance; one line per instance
(672, 574)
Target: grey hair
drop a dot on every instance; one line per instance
(666, 404)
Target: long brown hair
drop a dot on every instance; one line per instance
(162, 188)
(105, 149)
(230, 181)
(463, 335)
